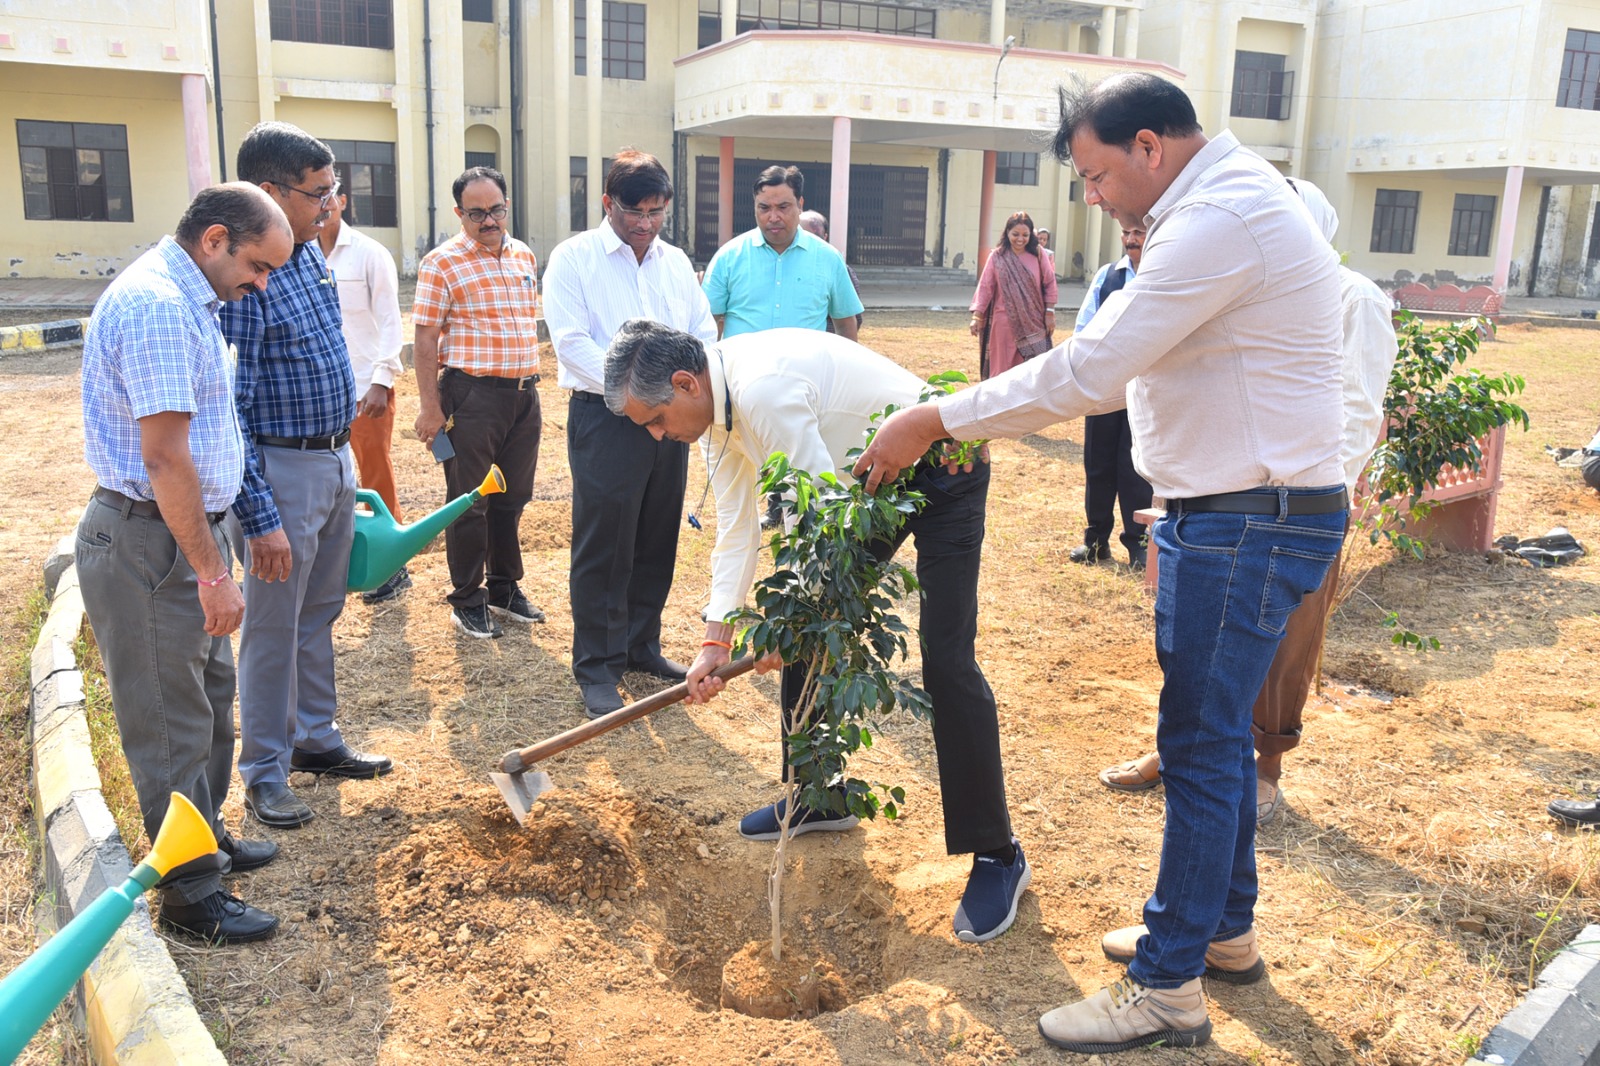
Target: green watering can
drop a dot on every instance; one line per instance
(382, 545)
(31, 991)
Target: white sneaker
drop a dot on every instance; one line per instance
(1129, 1015)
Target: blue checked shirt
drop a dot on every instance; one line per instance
(153, 346)
(294, 377)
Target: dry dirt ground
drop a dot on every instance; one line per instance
(1409, 887)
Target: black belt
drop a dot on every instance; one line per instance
(520, 384)
(1261, 503)
(143, 508)
(584, 396)
(308, 444)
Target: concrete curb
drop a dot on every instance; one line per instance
(42, 336)
(132, 1002)
(1559, 1021)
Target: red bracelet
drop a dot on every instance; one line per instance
(716, 643)
(214, 582)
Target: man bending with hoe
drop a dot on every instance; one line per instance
(811, 395)
(1230, 334)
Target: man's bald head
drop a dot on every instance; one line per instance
(244, 210)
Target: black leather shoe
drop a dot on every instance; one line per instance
(247, 855)
(1572, 812)
(660, 667)
(1090, 553)
(600, 700)
(1138, 559)
(343, 761)
(273, 804)
(219, 918)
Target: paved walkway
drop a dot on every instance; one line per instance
(79, 294)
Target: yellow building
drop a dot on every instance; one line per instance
(920, 127)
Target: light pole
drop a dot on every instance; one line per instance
(1005, 50)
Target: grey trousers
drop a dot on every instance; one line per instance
(171, 683)
(286, 690)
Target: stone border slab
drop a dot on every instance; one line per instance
(132, 1002)
(42, 336)
(1559, 1021)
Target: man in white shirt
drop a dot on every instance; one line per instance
(811, 395)
(1230, 337)
(369, 303)
(627, 486)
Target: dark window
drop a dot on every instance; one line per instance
(1594, 239)
(75, 171)
(481, 159)
(1580, 71)
(367, 175)
(1016, 168)
(1394, 221)
(580, 190)
(477, 10)
(1470, 224)
(360, 23)
(816, 15)
(622, 42)
(1261, 87)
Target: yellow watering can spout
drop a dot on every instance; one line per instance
(382, 545)
(184, 835)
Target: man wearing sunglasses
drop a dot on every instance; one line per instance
(477, 357)
(296, 397)
(627, 487)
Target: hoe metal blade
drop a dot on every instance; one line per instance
(521, 789)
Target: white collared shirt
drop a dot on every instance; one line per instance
(808, 394)
(594, 283)
(369, 301)
(1229, 334)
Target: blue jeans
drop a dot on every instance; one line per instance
(1227, 584)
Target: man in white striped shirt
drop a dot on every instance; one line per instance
(627, 487)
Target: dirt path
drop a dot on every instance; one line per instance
(1401, 888)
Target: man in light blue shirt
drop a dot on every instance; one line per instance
(778, 274)
(162, 437)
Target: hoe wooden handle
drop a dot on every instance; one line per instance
(522, 759)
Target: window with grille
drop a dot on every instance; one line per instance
(622, 39)
(75, 171)
(1261, 87)
(1471, 222)
(1580, 71)
(579, 172)
(367, 177)
(1394, 221)
(1594, 239)
(359, 23)
(477, 10)
(1016, 168)
(481, 159)
(817, 15)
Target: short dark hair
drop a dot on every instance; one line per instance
(279, 153)
(246, 212)
(1115, 109)
(635, 177)
(642, 359)
(776, 175)
(472, 174)
(1025, 219)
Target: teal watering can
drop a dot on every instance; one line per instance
(382, 545)
(31, 991)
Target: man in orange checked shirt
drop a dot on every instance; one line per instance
(477, 355)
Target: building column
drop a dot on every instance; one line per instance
(561, 117)
(997, 22)
(730, 19)
(1108, 31)
(1130, 33)
(1508, 228)
(1091, 242)
(196, 135)
(595, 71)
(1064, 239)
(839, 224)
(1075, 37)
(986, 211)
(724, 191)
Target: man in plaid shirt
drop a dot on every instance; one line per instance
(296, 397)
(477, 356)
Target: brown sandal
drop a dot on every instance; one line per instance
(1135, 775)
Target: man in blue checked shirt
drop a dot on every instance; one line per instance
(163, 441)
(296, 511)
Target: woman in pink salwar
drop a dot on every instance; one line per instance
(1013, 313)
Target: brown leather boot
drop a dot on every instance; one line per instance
(1129, 1015)
(1235, 960)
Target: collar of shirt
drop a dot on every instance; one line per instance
(190, 279)
(803, 241)
(1215, 149)
(611, 241)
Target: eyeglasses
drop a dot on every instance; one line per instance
(655, 218)
(323, 199)
(478, 215)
